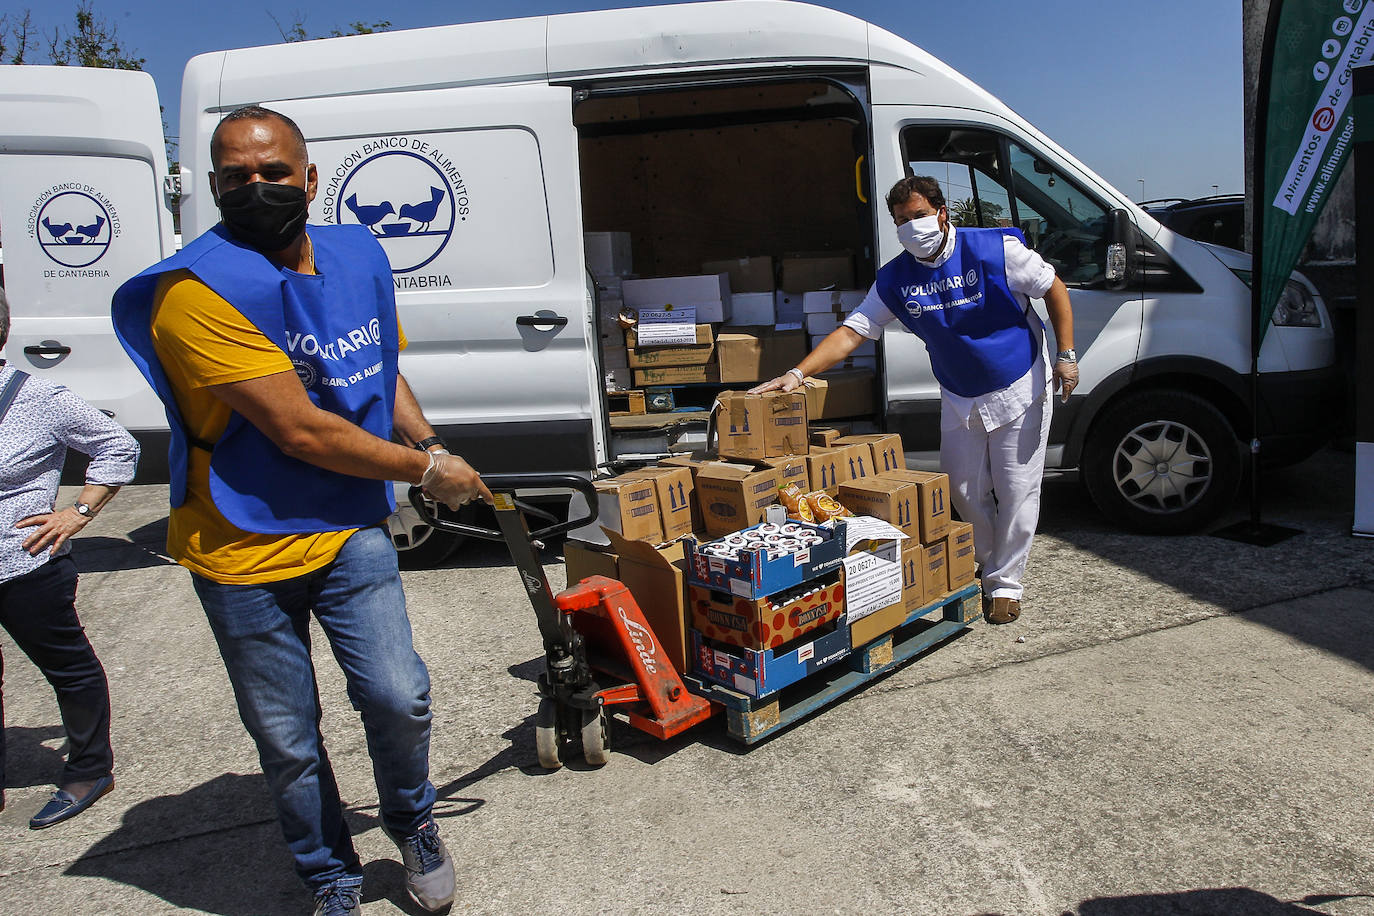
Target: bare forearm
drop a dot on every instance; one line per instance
(836, 346)
(96, 495)
(328, 441)
(1061, 314)
(408, 419)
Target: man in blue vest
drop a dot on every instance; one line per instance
(966, 294)
(274, 351)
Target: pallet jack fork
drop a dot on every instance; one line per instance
(599, 650)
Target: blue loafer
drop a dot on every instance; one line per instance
(65, 806)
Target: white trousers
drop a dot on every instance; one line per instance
(995, 478)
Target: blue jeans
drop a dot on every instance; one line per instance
(264, 637)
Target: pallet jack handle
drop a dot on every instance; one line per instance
(504, 488)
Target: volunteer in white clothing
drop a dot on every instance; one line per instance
(966, 294)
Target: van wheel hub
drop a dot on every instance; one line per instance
(1162, 466)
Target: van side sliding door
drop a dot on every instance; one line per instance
(473, 193)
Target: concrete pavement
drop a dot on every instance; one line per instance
(1185, 729)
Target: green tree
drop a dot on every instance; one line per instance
(16, 37)
(93, 42)
(295, 30)
(981, 213)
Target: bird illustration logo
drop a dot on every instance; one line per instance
(425, 211)
(408, 201)
(370, 214)
(75, 228)
(58, 231)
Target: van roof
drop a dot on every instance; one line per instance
(80, 110)
(601, 44)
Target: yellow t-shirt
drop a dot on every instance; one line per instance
(202, 340)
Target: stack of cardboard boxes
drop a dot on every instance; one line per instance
(756, 620)
(748, 327)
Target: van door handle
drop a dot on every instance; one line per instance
(48, 349)
(557, 321)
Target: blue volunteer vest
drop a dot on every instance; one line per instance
(339, 329)
(977, 333)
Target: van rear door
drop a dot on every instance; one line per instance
(83, 168)
(473, 193)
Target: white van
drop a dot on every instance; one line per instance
(480, 155)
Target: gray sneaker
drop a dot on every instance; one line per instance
(338, 900)
(429, 867)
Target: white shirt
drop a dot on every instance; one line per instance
(1028, 277)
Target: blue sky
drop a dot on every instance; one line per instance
(1136, 91)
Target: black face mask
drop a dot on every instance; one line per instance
(263, 215)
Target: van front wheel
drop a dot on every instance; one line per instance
(418, 546)
(1162, 462)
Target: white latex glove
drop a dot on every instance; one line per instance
(452, 481)
(1065, 378)
(788, 381)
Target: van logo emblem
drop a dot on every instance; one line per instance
(73, 224)
(405, 192)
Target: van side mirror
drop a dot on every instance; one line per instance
(1120, 249)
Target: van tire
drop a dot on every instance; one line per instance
(1190, 439)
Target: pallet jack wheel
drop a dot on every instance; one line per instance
(595, 743)
(548, 743)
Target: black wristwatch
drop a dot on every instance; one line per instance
(426, 444)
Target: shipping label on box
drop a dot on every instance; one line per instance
(760, 672)
(893, 501)
(672, 327)
(734, 496)
(758, 426)
(961, 560)
(747, 275)
(758, 354)
(676, 375)
(756, 573)
(872, 580)
(933, 487)
(935, 570)
(629, 506)
(791, 469)
(702, 334)
(840, 393)
(761, 623)
(886, 449)
(675, 491)
(836, 301)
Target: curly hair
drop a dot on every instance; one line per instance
(924, 185)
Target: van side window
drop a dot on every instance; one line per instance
(976, 168)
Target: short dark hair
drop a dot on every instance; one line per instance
(924, 185)
(254, 113)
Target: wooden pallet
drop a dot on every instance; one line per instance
(625, 403)
(750, 720)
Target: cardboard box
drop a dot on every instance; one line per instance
(656, 577)
(734, 496)
(827, 468)
(747, 275)
(708, 294)
(913, 576)
(893, 501)
(752, 309)
(752, 574)
(825, 436)
(935, 570)
(765, 622)
(758, 354)
(787, 307)
(821, 324)
(838, 301)
(866, 629)
(675, 491)
(705, 335)
(791, 469)
(840, 393)
(933, 487)
(804, 272)
(886, 449)
(960, 558)
(608, 253)
(758, 426)
(760, 672)
(629, 506)
(677, 375)
(581, 560)
(656, 357)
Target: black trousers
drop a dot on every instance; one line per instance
(38, 610)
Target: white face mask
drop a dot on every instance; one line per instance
(922, 237)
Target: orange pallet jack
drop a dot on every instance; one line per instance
(599, 651)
